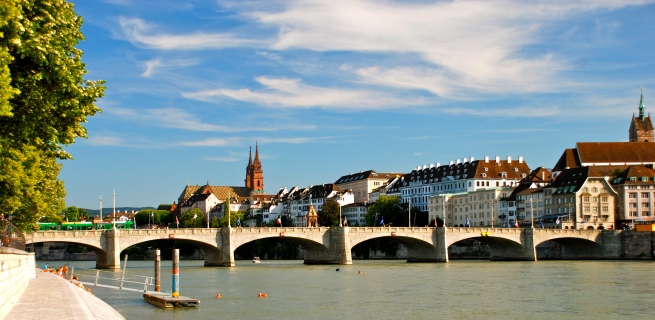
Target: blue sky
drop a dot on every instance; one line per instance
(338, 86)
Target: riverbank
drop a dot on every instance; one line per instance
(49, 295)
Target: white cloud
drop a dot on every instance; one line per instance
(141, 34)
(292, 93)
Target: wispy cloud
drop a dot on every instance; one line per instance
(157, 65)
(292, 93)
(143, 34)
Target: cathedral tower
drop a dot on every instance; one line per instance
(641, 126)
(254, 173)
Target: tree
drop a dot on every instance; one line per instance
(193, 218)
(74, 213)
(234, 217)
(44, 100)
(329, 214)
(390, 209)
(152, 216)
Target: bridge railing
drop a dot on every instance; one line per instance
(177, 231)
(279, 229)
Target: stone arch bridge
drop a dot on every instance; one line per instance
(334, 245)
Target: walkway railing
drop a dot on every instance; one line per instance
(112, 280)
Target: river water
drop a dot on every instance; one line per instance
(394, 289)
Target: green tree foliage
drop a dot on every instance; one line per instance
(193, 218)
(389, 208)
(234, 217)
(74, 213)
(44, 100)
(328, 216)
(153, 217)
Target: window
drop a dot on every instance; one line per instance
(604, 198)
(632, 195)
(585, 198)
(587, 209)
(645, 204)
(645, 195)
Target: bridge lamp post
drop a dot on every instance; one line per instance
(409, 210)
(531, 211)
(443, 209)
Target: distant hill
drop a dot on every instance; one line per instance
(106, 211)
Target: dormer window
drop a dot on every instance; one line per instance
(633, 179)
(486, 169)
(484, 175)
(644, 179)
(516, 169)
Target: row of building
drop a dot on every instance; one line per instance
(594, 185)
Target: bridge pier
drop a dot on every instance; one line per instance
(440, 244)
(525, 251)
(338, 251)
(111, 257)
(225, 256)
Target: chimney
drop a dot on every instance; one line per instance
(486, 159)
(520, 159)
(438, 164)
(497, 159)
(466, 160)
(458, 162)
(451, 162)
(472, 159)
(509, 159)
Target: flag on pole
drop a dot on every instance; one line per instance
(516, 223)
(279, 222)
(542, 223)
(177, 222)
(557, 221)
(468, 223)
(382, 221)
(195, 215)
(238, 221)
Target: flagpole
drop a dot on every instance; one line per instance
(409, 223)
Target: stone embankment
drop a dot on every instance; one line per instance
(16, 269)
(29, 293)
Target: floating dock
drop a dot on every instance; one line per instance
(166, 300)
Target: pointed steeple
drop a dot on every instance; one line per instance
(642, 107)
(250, 158)
(257, 165)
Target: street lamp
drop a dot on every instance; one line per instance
(531, 212)
(409, 209)
(443, 209)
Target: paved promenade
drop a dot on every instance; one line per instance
(51, 296)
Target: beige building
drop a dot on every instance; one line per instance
(363, 183)
(635, 188)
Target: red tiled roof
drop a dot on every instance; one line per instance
(615, 152)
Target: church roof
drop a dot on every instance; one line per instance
(607, 153)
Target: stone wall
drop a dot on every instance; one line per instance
(16, 269)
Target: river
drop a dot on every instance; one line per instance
(394, 289)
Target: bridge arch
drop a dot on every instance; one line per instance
(312, 240)
(420, 242)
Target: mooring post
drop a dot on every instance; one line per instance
(176, 273)
(157, 269)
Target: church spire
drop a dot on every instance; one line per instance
(642, 107)
(257, 164)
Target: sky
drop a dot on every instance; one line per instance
(326, 88)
